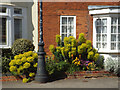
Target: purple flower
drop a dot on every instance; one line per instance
(87, 61)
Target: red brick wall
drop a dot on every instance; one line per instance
(51, 19)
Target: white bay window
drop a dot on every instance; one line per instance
(106, 28)
(106, 33)
(12, 25)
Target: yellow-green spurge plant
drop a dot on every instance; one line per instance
(24, 64)
(79, 51)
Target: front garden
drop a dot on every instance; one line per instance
(68, 57)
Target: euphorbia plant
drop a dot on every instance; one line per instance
(72, 48)
(24, 64)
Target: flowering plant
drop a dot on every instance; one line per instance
(76, 62)
(79, 51)
(85, 65)
(91, 66)
(24, 64)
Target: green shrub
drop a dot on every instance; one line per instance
(24, 64)
(58, 40)
(6, 57)
(73, 48)
(100, 62)
(53, 67)
(22, 45)
(73, 68)
(5, 64)
(7, 53)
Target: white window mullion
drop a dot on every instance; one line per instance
(117, 36)
(12, 27)
(9, 26)
(67, 28)
(74, 26)
(94, 32)
(61, 27)
(101, 35)
(109, 33)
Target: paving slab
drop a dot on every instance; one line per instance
(106, 82)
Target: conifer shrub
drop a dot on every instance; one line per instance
(22, 45)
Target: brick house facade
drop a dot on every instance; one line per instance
(52, 11)
(99, 21)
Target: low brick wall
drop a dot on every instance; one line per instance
(75, 75)
(11, 78)
(89, 74)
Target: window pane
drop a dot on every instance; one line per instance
(17, 28)
(113, 37)
(104, 45)
(17, 11)
(113, 46)
(119, 20)
(119, 29)
(104, 29)
(98, 29)
(98, 22)
(98, 37)
(64, 20)
(70, 20)
(3, 9)
(118, 37)
(3, 32)
(64, 29)
(98, 45)
(119, 46)
(113, 29)
(104, 37)
(114, 21)
(104, 22)
(70, 29)
(70, 35)
(63, 35)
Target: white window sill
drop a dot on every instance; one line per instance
(5, 47)
(109, 51)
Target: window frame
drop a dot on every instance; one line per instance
(74, 32)
(108, 49)
(6, 15)
(9, 15)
